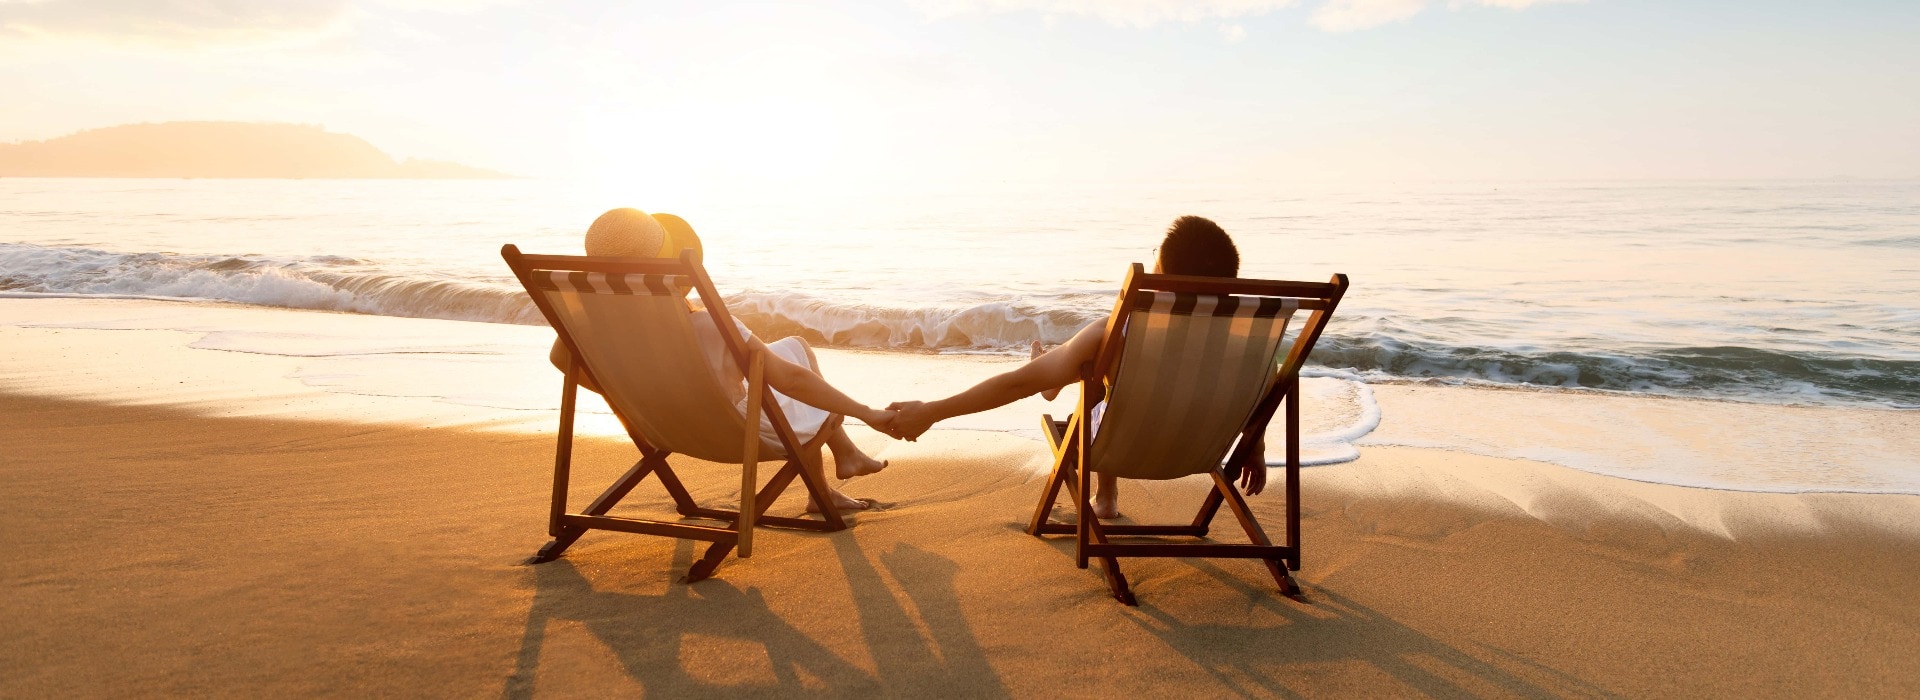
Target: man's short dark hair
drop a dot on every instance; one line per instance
(1197, 246)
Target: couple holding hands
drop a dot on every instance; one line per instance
(1192, 246)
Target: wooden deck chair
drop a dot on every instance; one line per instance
(1202, 364)
(625, 322)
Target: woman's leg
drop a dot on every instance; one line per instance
(813, 462)
(848, 460)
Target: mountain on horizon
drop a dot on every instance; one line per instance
(217, 150)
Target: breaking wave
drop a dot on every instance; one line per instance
(328, 283)
(336, 283)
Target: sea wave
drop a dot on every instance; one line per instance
(1773, 376)
(329, 283)
(990, 326)
(1892, 242)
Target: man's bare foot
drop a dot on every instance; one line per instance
(861, 465)
(1034, 352)
(841, 502)
(1106, 505)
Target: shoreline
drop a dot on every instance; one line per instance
(163, 549)
(232, 359)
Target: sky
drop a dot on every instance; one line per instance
(840, 94)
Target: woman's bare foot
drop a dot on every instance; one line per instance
(841, 502)
(1106, 505)
(1034, 352)
(856, 465)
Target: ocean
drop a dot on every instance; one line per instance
(1775, 292)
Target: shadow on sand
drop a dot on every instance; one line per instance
(647, 632)
(916, 638)
(1325, 631)
(1333, 630)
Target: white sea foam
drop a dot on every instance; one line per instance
(1349, 412)
(1684, 442)
(998, 325)
(326, 283)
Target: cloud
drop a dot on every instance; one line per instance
(172, 20)
(201, 22)
(1508, 4)
(1132, 13)
(1331, 15)
(1351, 15)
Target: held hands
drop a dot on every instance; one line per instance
(901, 420)
(881, 420)
(910, 419)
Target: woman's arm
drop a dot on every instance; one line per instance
(1058, 368)
(808, 387)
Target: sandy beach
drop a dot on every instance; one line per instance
(187, 520)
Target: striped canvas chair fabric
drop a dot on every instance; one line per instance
(1194, 368)
(637, 336)
(1191, 371)
(627, 325)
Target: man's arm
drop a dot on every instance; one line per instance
(1057, 368)
(808, 387)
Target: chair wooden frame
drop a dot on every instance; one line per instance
(566, 528)
(1071, 442)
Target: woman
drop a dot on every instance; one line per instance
(805, 397)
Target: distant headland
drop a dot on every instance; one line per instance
(217, 149)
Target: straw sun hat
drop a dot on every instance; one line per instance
(631, 233)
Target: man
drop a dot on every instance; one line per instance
(1193, 246)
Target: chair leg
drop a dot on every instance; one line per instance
(682, 500)
(816, 489)
(1083, 516)
(1208, 508)
(1049, 496)
(1110, 568)
(1060, 442)
(607, 500)
(1226, 491)
(1293, 469)
(553, 549)
(704, 568)
(1117, 582)
(1287, 586)
(777, 485)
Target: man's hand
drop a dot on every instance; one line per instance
(1253, 471)
(911, 419)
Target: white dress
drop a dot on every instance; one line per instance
(805, 420)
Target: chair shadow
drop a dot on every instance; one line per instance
(646, 632)
(1352, 632)
(1242, 658)
(948, 660)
